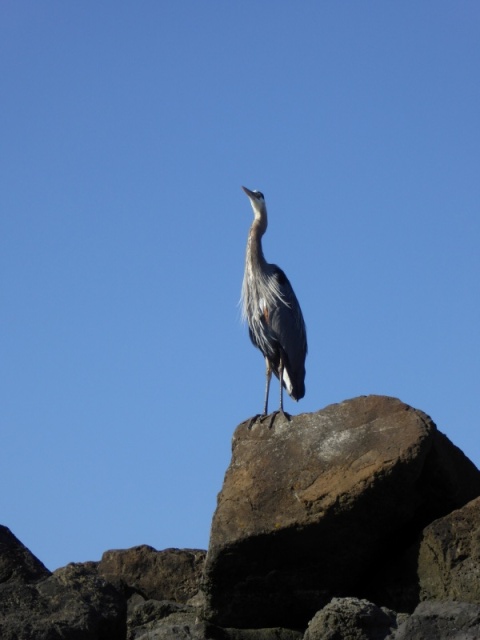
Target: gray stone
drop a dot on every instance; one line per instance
(158, 620)
(351, 619)
(72, 603)
(441, 621)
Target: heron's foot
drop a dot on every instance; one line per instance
(271, 417)
(253, 420)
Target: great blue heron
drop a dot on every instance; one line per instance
(271, 308)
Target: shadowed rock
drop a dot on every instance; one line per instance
(17, 563)
(441, 621)
(310, 508)
(449, 556)
(70, 604)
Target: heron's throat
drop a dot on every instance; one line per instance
(254, 245)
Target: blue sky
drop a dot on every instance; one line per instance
(127, 130)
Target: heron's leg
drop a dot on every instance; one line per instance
(267, 386)
(280, 375)
(275, 413)
(263, 415)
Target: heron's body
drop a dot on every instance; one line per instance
(271, 308)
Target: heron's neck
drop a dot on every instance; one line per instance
(254, 245)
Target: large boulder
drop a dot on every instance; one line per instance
(313, 507)
(449, 556)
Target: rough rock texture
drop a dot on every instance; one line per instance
(172, 574)
(351, 619)
(449, 556)
(162, 620)
(441, 621)
(312, 507)
(38, 605)
(157, 584)
(166, 620)
(17, 563)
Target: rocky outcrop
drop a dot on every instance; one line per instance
(17, 563)
(313, 507)
(71, 603)
(359, 522)
(124, 595)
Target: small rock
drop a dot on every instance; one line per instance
(351, 619)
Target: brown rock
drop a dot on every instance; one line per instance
(449, 556)
(172, 574)
(310, 508)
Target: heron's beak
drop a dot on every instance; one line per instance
(249, 193)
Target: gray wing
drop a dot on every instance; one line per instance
(287, 327)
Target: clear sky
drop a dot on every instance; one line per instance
(127, 130)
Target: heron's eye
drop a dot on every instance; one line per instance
(259, 195)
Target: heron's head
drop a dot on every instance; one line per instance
(257, 201)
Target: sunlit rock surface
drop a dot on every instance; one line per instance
(313, 507)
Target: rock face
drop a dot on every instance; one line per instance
(441, 621)
(311, 508)
(359, 522)
(172, 574)
(449, 556)
(68, 604)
